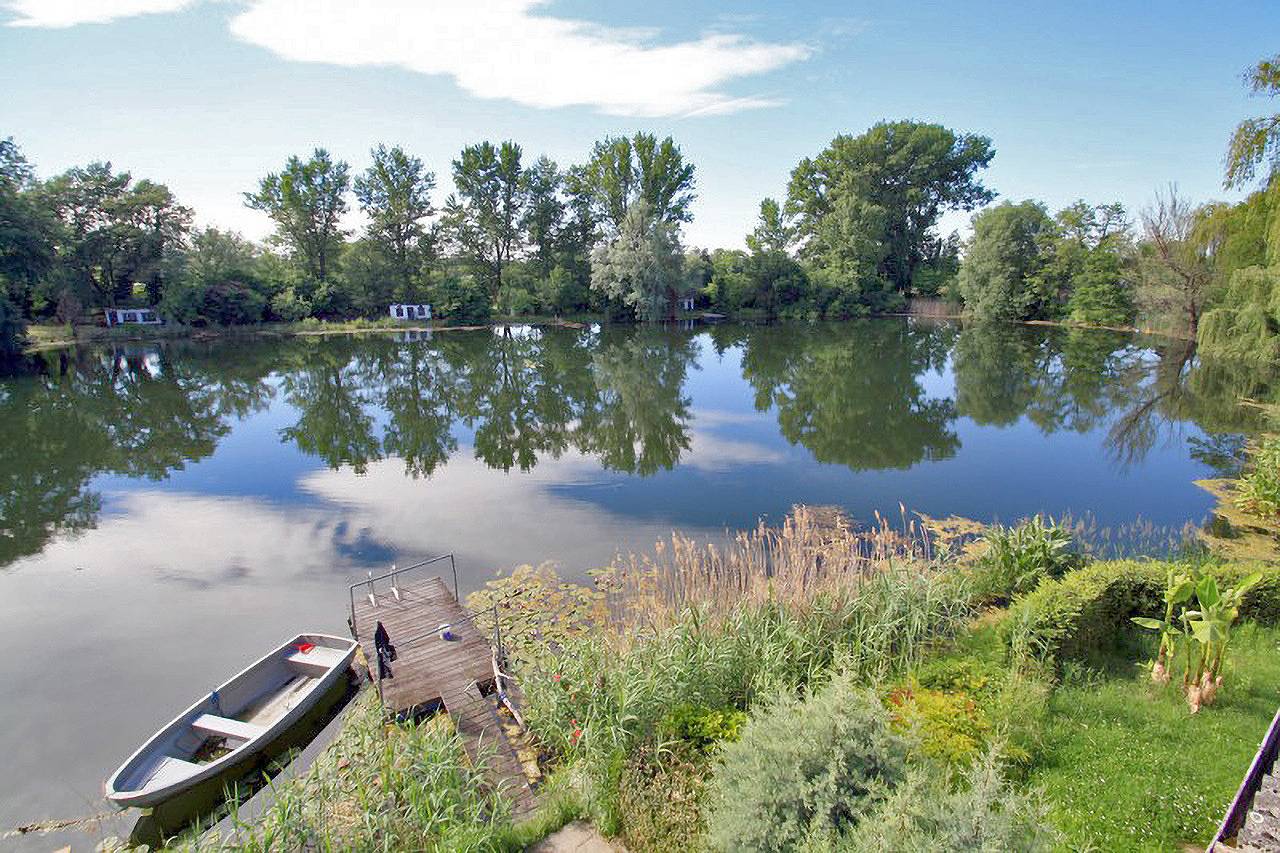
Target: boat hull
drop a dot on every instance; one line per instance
(243, 718)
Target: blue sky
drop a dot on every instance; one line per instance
(1100, 100)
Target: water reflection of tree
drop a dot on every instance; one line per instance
(1058, 379)
(853, 395)
(330, 392)
(525, 395)
(133, 412)
(640, 423)
(1175, 387)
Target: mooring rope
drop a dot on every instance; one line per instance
(40, 827)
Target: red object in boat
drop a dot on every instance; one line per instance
(304, 647)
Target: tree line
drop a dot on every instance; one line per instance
(855, 235)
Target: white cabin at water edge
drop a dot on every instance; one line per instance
(410, 312)
(122, 316)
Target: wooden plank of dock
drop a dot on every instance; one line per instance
(430, 673)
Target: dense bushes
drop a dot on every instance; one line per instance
(12, 331)
(1087, 610)
(932, 812)
(661, 791)
(805, 770)
(1258, 491)
(1017, 558)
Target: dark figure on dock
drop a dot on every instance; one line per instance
(386, 651)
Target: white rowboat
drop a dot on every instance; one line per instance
(233, 723)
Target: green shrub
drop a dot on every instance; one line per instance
(965, 675)
(703, 727)
(1018, 558)
(1087, 611)
(950, 727)
(660, 796)
(928, 812)
(13, 331)
(804, 769)
(1258, 491)
(289, 306)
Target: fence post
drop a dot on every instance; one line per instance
(497, 637)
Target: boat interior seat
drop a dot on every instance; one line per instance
(211, 724)
(161, 770)
(315, 662)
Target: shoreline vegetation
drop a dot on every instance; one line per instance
(922, 684)
(43, 337)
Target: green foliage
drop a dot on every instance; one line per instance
(950, 727)
(934, 812)
(290, 307)
(624, 172)
(306, 201)
(461, 299)
(482, 221)
(661, 792)
(1100, 294)
(1258, 491)
(13, 332)
(804, 769)
(642, 266)
(1245, 324)
(703, 727)
(863, 209)
(1087, 611)
(395, 193)
(997, 279)
(1017, 558)
(1256, 141)
(407, 787)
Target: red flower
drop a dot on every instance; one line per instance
(555, 677)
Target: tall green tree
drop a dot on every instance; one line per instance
(863, 209)
(306, 201)
(624, 171)
(642, 266)
(543, 214)
(483, 218)
(997, 278)
(26, 229)
(395, 193)
(1084, 273)
(771, 233)
(113, 233)
(1255, 144)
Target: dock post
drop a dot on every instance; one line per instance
(395, 590)
(373, 601)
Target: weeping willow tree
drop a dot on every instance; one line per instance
(1246, 323)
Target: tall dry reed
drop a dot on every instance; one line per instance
(815, 552)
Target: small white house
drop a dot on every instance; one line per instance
(123, 316)
(410, 312)
(686, 303)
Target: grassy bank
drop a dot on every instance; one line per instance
(811, 687)
(43, 336)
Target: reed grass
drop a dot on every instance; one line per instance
(380, 787)
(815, 552)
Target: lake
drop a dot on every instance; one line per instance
(171, 510)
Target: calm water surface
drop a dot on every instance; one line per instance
(169, 511)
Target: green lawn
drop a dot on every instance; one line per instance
(1126, 767)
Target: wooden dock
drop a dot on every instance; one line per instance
(432, 674)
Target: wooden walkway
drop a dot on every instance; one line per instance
(431, 673)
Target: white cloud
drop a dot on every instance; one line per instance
(68, 13)
(495, 49)
(504, 49)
